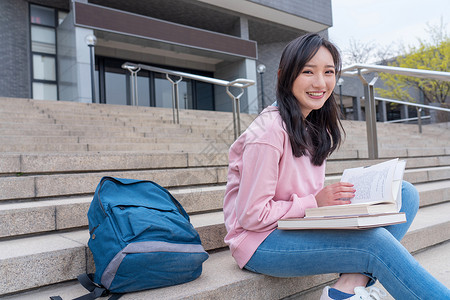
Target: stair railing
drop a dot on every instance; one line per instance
(418, 108)
(361, 69)
(240, 83)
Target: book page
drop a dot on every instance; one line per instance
(372, 184)
(397, 184)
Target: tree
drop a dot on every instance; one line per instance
(359, 52)
(429, 55)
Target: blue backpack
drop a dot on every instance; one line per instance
(140, 237)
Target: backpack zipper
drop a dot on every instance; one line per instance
(158, 186)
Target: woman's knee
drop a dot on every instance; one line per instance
(410, 197)
(382, 243)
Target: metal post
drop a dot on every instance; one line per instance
(91, 54)
(371, 117)
(261, 69)
(236, 112)
(262, 92)
(175, 98)
(91, 41)
(243, 83)
(134, 88)
(382, 111)
(419, 118)
(233, 105)
(341, 105)
(357, 114)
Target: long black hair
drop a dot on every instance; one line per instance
(319, 134)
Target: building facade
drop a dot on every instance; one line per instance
(46, 51)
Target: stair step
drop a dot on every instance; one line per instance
(106, 140)
(431, 226)
(106, 147)
(46, 259)
(414, 176)
(31, 119)
(435, 259)
(70, 213)
(39, 186)
(73, 162)
(338, 166)
(35, 261)
(212, 156)
(23, 187)
(220, 279)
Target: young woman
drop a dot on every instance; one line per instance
(277, 170)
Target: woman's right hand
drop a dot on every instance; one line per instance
(335, 194)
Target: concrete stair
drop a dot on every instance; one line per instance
(53, 154)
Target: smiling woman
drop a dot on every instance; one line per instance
(277, 170)
(314, 85)
(306, 77)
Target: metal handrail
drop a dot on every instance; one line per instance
(418, 108)
(412, 104)
(356, 69)
(408, 119)
(360, 69)
(240, 83)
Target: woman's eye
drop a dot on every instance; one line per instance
(307, 72)
(330, 72)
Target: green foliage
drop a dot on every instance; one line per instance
(427, 56)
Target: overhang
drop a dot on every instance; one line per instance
(120, 22)
(282, 16)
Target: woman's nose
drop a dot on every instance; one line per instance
(319, 81)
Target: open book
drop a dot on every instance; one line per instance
(378, 190)
(348, 222)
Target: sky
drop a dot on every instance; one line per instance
(386, 22)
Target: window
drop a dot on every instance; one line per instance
(43, 22)
(43, 39)
(116, 88)
(44, 91)
(44, 67)
(42, 15)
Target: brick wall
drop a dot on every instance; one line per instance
(14, 49)
(269, 55)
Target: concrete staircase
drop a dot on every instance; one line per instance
(53, 154)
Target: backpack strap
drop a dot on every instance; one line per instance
(95, 290)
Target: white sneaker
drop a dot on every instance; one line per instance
(324, 295)
(360, 294)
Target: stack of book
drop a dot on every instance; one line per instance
(376, 203)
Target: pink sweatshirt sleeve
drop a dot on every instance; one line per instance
(256, 208)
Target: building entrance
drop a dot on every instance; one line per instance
(113, 86)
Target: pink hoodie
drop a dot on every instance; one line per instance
(265, 183)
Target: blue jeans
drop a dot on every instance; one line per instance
(375, 252)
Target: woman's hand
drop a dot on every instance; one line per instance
(332, 194)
